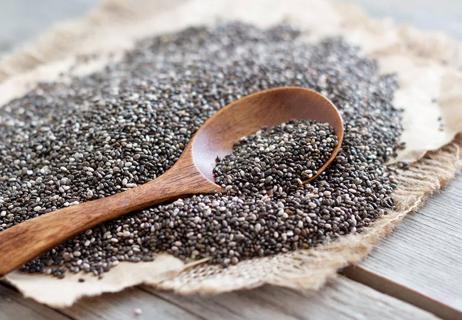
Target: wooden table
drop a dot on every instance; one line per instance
(416, 273)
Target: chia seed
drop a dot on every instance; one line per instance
(69, 142)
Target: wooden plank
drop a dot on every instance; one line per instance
(14, 306)
(18, 307)
(124, 305)
(341, 299)
(422, 258)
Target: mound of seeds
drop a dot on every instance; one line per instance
(276, 158)
(65, 143)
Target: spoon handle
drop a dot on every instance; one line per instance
(27, 240)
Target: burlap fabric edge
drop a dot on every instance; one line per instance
(303, 269)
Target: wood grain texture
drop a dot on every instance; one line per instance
(341, 299)
(264, 109)
(122, 305)
(14, 306)
(424, 255)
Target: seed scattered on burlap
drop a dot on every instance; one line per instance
(276, 158)
(66, 143)
(137, 311)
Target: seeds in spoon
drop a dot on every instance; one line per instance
(279, 157)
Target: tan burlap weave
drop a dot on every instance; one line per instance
(428, 67)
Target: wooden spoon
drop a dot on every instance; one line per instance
(191, 174)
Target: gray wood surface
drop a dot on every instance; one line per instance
(343, 299)
(122, 305)
(420, 263)
(14, 306)
(424, 254)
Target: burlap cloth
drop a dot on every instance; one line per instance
(429, 67)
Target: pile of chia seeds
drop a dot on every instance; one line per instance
(65, 143)
(276, 159)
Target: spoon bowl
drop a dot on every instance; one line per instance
(191, 174)
(264, 109)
